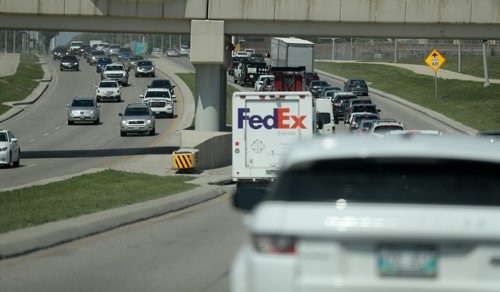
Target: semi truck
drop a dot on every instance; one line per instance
(264, 125)
(292, 52)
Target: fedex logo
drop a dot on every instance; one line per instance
(280, 119)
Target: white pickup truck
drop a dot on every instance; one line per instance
(115, 71)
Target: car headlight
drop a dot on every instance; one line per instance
(75, 64)
(3, 149)
(92, 112)
(124, 122)
(148, 121)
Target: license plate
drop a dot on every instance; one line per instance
(407, 261)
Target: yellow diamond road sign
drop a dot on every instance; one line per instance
(435, 60)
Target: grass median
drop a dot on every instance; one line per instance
(190, 80)
(83, 194)
(18, 86)
(471, 65)
(465, 101)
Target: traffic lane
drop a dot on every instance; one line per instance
(44, 134)
(190, 250)
(390, 109)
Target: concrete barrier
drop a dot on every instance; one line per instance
(214, 148)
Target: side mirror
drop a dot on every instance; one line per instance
(173, 86)
(14, 140)
(120, 114)
(378, 110)
(247, 197)
(320, 125)
(149, 86)
(96, 86)
(67, 105)
(141, 96)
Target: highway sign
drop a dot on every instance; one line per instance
(435, 60)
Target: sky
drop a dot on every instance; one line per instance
(64, 37)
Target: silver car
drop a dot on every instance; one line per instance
(145, 68)
(10, 153)
(137, 118)
(84, 109)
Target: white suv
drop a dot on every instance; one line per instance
(115, 71)
(108, 90)
(403, 213)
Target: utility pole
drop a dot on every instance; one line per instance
(485, 65)
(14, 42)
(395, 50)
(5, 42)
(333, 49)
(459, 69)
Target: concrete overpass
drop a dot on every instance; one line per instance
(212, 22)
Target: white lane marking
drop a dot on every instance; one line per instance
(32, 140)
(46, 134)
(31, 165)
(57, 128)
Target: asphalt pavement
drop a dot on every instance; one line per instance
(31, 239)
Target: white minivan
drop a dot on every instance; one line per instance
(324, 116)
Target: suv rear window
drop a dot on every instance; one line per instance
(392, 180)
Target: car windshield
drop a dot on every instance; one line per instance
(387, 128)
(358, 119)
(367, 108)
(157, 94)
(114, 67)
(69, 59)
(3, 137)
(136, 111)
(160, 84)
(357, 83)
(108, 84)
(319, 83)
(144, 63)
(409, 181)
(83, 103)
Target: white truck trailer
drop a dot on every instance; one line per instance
(264, 125)
(292, 52)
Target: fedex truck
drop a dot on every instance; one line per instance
(264, 125)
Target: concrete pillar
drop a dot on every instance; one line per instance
(209, 56)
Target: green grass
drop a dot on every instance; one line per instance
(83, 194)
(465, 101)
(190, 80)
(471, 65)
(18, 86)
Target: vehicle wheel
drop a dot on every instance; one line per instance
(136, 75)
(98, 99)
(70, 122)
(336, 120)
(9, 163)
(153, 75)
(119, 99)
(235, 81)
(152, 132)
(125, 84)
(98, 121)
(18, 161)
(123, 134)
(60, 69)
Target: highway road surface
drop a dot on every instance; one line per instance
(51, 148)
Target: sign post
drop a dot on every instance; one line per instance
(435, 61)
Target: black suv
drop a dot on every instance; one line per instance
(356, 86)
(69, 62)
(162, 83)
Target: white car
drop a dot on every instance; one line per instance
(161, 106)
(157, 93)
(260, 81)
(108, 90)
(355, 213)
(184, 50)
(10, 152)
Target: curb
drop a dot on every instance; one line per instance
(425, 111)
(31, 239)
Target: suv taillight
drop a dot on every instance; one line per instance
(274, 244)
